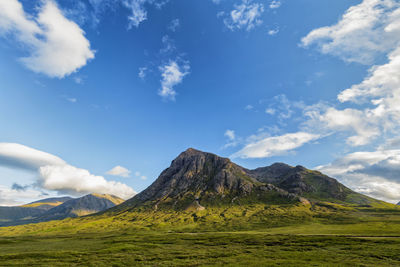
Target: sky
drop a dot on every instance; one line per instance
(99, 96)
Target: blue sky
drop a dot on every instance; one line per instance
(100, 95)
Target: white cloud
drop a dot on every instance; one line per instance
(249, 107)
(174, 25)
(55, 174)
(172, 74)
(138, 12)
(57, 45)
(246, 15)
(373, 173)
(23, 157)
(73, 180)
(230, 134)
(270, 111)
(273, 32)
(365, 31)
(359, 124)
(119, 171)
(275, 4)
(142, 72)
(276, 145)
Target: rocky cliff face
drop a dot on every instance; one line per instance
(198, 172)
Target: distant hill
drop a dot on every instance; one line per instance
(85, 205)
(58, 209)
(197, 180)
(30, 210)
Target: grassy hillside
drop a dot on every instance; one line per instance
(291, 235)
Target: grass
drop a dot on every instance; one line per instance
(288, 235)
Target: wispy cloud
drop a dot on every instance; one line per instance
(57, 46)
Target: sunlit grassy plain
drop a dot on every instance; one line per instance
(290, 235)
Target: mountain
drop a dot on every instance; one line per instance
(197, 180)
(85, 205)
(30, 210)
(68, 208)
(309, 184)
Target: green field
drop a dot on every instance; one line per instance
(324, 235)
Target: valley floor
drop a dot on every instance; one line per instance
(362, 237)
(200, 249)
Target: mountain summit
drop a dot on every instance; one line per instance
(197, 180)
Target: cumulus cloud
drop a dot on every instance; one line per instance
(55, 174)
(246, 15)
(73, 180)
(172, 74)
(375, 173)
(275, 145)
(364, 31)
(119, 171)
(57, 46)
